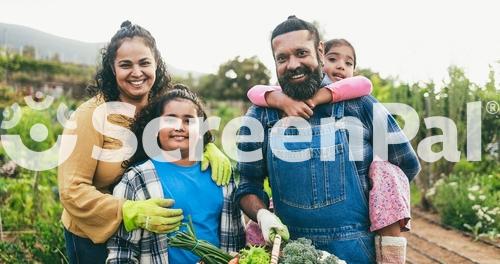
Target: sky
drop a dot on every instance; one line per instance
(410, 40)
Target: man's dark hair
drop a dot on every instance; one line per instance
(294, 24)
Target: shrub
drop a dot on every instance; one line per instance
(47, 245)
(12, 253)
(469, 202)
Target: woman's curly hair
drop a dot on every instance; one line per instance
(105, 82)
(154, 110)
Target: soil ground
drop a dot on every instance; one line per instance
(430, 242)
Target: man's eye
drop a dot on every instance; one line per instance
(302, 53)
(280, 59)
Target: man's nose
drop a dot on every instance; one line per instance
(293, 63)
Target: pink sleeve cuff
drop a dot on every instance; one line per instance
(257, 94)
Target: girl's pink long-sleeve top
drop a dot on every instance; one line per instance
(346, 89)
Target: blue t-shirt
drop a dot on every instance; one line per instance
(199, 197)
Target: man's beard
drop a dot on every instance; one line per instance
(305, 89)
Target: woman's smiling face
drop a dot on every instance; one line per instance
(135, 70)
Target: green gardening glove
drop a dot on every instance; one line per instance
(151, 215)
(220, 164)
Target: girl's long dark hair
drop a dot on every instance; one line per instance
(154, 110)
(105, 82)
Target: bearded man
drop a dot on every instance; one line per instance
(319, 191)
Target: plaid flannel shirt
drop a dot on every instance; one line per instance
(141, 182)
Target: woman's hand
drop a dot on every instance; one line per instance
(152, 215)
(220, 164)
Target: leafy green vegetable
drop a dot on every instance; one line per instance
(301, 251)
(209, 253)
(254, 255)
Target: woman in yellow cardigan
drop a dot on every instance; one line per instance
(131, 74)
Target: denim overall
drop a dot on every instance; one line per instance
(321, 200)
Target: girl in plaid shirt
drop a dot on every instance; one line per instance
(166, 175)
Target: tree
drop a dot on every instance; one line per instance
(190, 81)
(55, 57)
(29, 52)
(233, 79)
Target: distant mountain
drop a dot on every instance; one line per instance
(47, 45)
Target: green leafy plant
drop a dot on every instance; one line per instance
(209, 253)
(47, 245)
(303, 251)
(469, 202)
(12, 253)
(254, 255)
